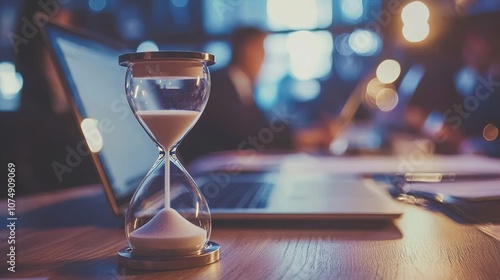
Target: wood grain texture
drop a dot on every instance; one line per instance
(73, 235)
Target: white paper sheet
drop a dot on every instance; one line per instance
(391, 164)
(469, 190)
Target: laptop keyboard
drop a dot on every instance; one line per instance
(242, 191)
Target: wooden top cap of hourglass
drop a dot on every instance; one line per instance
(126, 59)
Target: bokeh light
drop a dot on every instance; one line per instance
(388, 71)
(147, 46)
(305, 90)
(465, 80)
(342, 44)
(372, 89)
(92, 135)
(386, 99)
(434, 123)
(285, 14)
(339, 146)
(415, 17)
(416, 32)
(310, 54)
(11, 82)
(97, 5)
(415, 12)
(490, 132)
(352, 10)
(364, 42)
(221, 50)
(411, 80)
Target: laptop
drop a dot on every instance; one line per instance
(94, 82)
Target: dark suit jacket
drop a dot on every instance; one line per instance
(228, 124)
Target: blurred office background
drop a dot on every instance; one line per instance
(406, 61)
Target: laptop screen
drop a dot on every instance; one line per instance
(97, 86)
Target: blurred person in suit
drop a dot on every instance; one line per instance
(481, 101)
(233, 121)
(467, 95)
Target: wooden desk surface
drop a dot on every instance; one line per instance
(73, 235)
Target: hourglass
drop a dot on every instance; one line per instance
(168, 222)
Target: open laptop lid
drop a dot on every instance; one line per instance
(94, 82)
